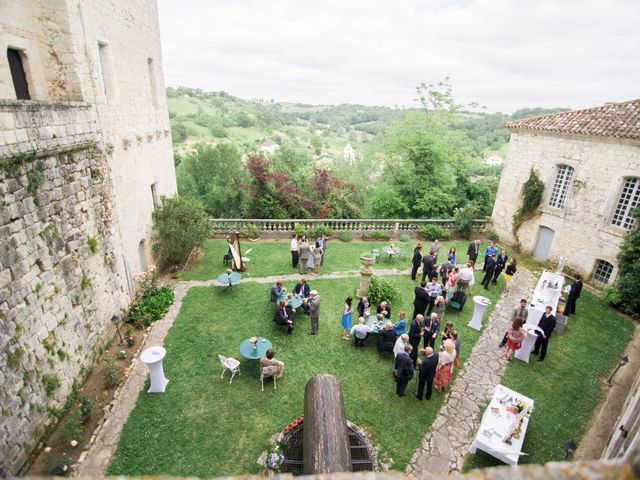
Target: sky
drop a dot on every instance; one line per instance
(503, 54)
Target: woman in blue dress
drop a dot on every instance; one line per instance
(451, 256)
(345, 322)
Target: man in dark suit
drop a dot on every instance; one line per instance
(284, 316)
(547, 324)
(472, 251)
(431, 329)
(302, 289)
(501, 262)
(403, 370)
(574, 295)
(428, 261)
(415, 335)
(489, 270)
(416, 260)
(420, 300)
(427, 372)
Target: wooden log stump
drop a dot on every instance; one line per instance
(326, 438)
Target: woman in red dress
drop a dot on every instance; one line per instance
(515, 336)
(445, 364)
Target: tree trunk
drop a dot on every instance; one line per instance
(326, 438)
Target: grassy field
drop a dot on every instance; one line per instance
(566, 387)
(202, 426)
(274, 257)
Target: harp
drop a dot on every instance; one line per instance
(235, 253)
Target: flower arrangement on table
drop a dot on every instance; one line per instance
(254, 341)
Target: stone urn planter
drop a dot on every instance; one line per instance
(365, 275)
(367, 261)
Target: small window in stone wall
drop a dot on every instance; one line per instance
(602, 272)
(105, 69)
(628, 201)
(154, 195)
(152, 82)
(142, 256)
(561, 186)
(16, 60)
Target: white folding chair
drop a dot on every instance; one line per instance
(230, 364)
(268, 371)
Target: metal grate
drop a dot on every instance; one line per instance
(602, 272)
(361, 459)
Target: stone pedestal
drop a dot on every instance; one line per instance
(366, 273)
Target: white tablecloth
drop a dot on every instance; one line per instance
(547, 292)
(495, 425)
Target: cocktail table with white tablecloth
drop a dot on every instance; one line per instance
(152, 357)
(480, 305)
(498, 420)
(547, 292)
(529, 342)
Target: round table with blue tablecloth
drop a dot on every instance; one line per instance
(247, 349)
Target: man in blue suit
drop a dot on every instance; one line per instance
(403, 370)
(427, 369)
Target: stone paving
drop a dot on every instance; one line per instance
(444, 448)
(95, 460)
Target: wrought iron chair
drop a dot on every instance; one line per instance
(230, 364)
(268, 371)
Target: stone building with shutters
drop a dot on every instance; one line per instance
(589, 161)
(85, 156)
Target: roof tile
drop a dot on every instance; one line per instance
(620, 120)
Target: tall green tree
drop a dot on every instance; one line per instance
(179, 225)
(215, 176)
(629, 268)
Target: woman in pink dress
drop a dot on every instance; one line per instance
(445, 365)
(515, 336)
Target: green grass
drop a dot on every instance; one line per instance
(566, 387)
(274, 257)
(202, 426)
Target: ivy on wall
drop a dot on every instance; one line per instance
(531, 194)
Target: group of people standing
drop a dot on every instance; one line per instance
(308, 256)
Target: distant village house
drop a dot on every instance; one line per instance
(269, 147)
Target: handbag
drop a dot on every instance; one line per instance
(456, 362)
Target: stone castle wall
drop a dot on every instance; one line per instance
(77, 166)
(61, 278)
(583, 230)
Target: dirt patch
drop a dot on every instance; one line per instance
(608, 410)
(86, 409)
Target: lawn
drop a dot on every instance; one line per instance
(274, 257)
(566, 387)
(204, 427)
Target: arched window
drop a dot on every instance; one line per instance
(628, 201)
(561, 186)
(602, 272)
(141, 256)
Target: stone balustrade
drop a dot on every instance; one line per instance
(226, 225)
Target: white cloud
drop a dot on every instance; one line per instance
(505, 54)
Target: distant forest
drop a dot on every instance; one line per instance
(424, 162)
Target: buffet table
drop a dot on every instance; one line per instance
(547, 292)
(503, 421)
